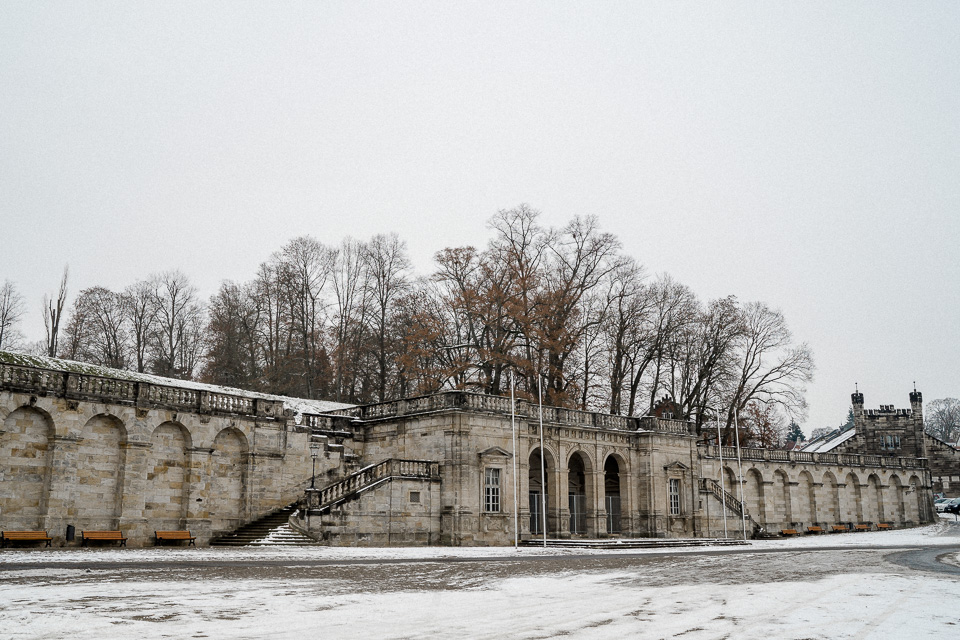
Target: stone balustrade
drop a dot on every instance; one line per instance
(83, 386)
(368, 477)
(530, 411)
(807, 457)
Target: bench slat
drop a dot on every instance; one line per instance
(24, 536)
(175, 535)
(104, 536)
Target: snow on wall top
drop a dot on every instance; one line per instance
(297, 405)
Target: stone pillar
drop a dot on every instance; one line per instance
(597, 513)
(59, 509)
(134, 491)
(196, 512)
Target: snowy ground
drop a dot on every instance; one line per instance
(832, 586)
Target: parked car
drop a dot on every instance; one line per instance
(953, 506)
(940, 504)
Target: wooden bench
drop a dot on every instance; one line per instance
(840, 528)
(862, 527)
(883, 526)
(789, 532)
(815, 529)
(102, 536)
(24, 536)
(175, 535)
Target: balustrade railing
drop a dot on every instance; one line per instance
(725, 497)
(523, 408)
(72, 384)
(368, 477)
(807, 457)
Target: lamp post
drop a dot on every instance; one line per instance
(314, 454)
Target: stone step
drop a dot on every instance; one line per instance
(631, 543)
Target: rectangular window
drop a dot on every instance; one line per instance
(674, 496)
(491, 490)
(415, 496)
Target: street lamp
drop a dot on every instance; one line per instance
(314, 454)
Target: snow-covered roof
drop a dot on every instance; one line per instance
(297, 405)
(829, 442)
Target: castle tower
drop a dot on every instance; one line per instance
(916, 412)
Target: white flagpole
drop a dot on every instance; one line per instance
(543, 473)
(723, 488)
(743, 508)
(513, 427)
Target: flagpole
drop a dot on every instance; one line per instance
(513, 428)
(723, 487)
(543, 473)
(743, 508)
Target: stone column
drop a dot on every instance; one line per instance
(196, 511)
(59, 509)
(134, 491)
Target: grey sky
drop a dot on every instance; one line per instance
(804, 154)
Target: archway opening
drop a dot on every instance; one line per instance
(538, 494)
(611, 492)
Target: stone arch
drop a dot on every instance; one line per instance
(228, 480)
(101, 460)
(536, 493)
(831, 502)
(753, 496)
(580, 491)
(896, 494)
(854, 498)
(167, 470)
(781, 500)
(805, 507)
(613, 467)
(25, 457)
(873, 510)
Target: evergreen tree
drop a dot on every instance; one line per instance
(794, 433)
(849, 422)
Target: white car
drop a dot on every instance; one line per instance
(940, 504)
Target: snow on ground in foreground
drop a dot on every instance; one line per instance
(591, 605)
(52, 602)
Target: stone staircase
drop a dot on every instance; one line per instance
(269, 531)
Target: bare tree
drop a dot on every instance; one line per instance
(53, 315)
(233, 349)
(771, 369)
(177, 333)
(387, 265)
(140, 312)
(96, 331)
(351, 295)
(306, 265)
(941, 419)
(11, 312)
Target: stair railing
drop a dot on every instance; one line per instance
(357, 481)
(725, 497)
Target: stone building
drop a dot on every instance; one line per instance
(95, 448)
(889, 432)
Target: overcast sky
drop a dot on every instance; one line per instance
(803, 154)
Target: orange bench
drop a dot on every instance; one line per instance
(102, 536)
(862, 527)
(814, 529)
(883, 526)
(789, 532)
(175, 535)
(24, 536)
(840, 528)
